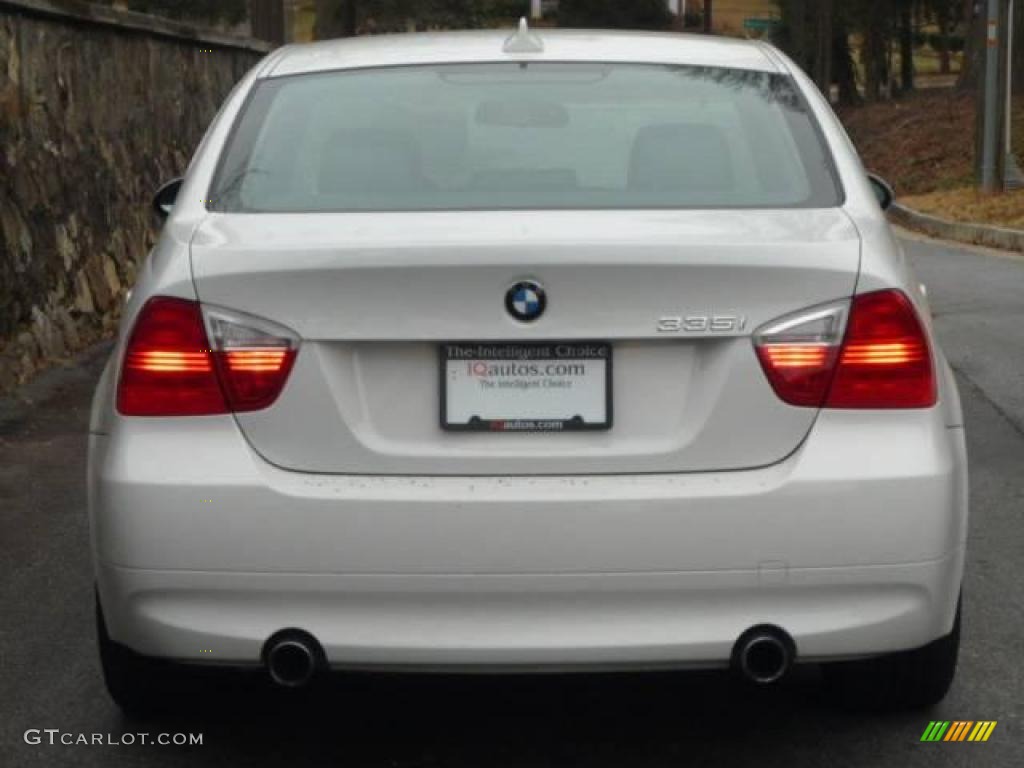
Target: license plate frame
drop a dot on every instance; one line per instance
(526, 353)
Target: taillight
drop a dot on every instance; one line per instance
(254, 357)
(168, 367)
(798, 353)
(886, 362)
(180, 363)
(871, 352)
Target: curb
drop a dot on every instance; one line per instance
(974, 234)
(47, 383)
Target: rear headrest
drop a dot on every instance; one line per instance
(680, 157)
(364, 160)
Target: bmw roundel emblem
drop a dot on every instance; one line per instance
(526, 301)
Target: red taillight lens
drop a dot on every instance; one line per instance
(799, 352)
(799, 373)
(881, 361)
(171, 368)
(885, 362)
(168, 366)
(253, 378)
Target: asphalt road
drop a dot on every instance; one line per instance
(49, 676)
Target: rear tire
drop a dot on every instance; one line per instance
(906, 680)
(139, 686)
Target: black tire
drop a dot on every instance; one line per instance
(138, 685)
(906, 680)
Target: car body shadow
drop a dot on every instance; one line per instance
(650, 718)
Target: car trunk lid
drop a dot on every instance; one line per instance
(374, 296)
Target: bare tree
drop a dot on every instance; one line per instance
(874, 54)
(906, 35)
(1018, 58)
(266, 17)
(335, 18)
(807, 34)
(944, 21)
(822, 69)
(974, 46)
(842, 62)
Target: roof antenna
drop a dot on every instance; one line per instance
(523, 41)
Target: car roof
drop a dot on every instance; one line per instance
(488, 46)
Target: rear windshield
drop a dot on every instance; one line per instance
(524, 136)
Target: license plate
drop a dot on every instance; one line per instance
(528, 387)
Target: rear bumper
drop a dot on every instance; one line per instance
(528, 622)
(854, 545)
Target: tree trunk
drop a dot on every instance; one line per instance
(906, 47)
(795, 30)
(875, 57)
(335, 18)
(823, 47)
(974, 46)
(842, 57)
(1018, 56)
(708, 12)
(942, 20)
(266, 17)
(350, 18)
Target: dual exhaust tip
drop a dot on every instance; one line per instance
(292, 658)
(763, 655)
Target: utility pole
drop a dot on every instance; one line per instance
(1011, 53)
(708, 5)
(993, 98)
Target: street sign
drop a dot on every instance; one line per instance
(760, 25)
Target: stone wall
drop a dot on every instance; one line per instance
(97, 107)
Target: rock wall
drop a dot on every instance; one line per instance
(97, 108)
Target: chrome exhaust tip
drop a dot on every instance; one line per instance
(292, 658)
(764, 654)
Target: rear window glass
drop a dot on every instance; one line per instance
(524, 136)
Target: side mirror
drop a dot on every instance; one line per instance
(883, 191)
(163, 200)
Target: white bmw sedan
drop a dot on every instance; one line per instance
(551, 351)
